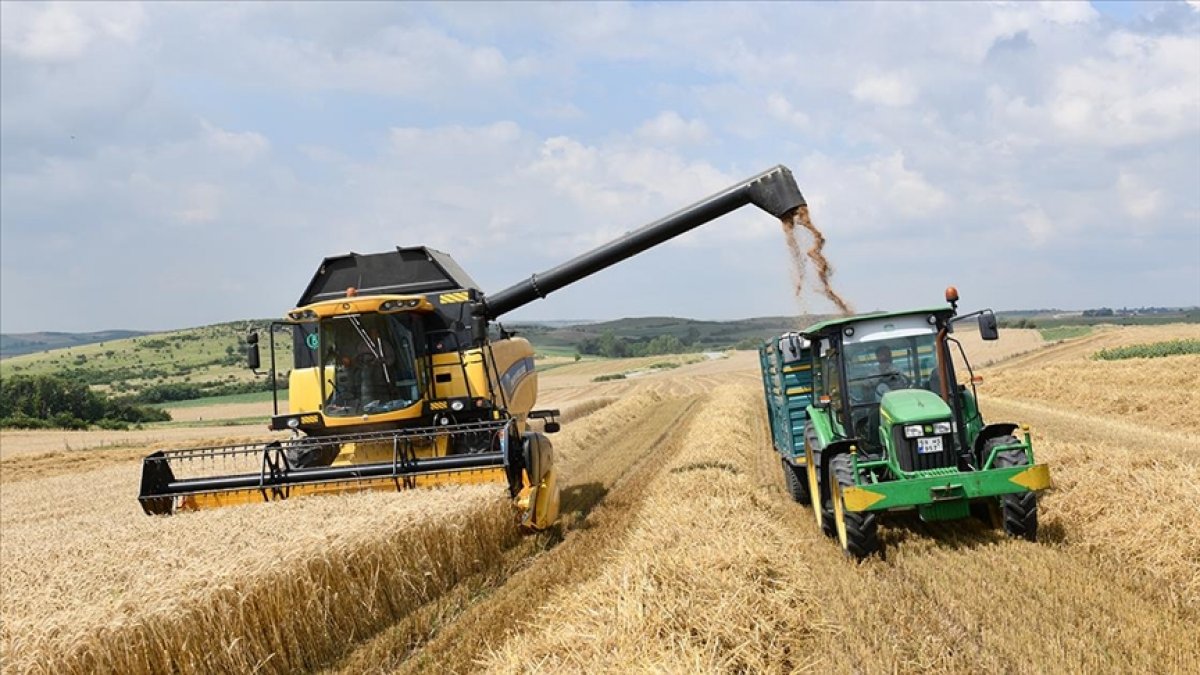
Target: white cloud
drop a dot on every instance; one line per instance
(779, 107)
(1037, 224)
(889, 89)
(59, 32)
(1139, 200)
(669, 128)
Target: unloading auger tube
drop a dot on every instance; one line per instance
(774, 191)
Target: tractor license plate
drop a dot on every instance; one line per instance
(929, 446)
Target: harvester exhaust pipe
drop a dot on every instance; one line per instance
(774, 191)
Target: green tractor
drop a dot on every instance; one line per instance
(869, 417)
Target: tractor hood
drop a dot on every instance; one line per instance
(907, 406)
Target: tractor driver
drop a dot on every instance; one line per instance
(887, 376)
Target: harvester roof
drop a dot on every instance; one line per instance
(405, 271)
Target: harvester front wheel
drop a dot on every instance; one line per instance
(1018, 511)
(857, 531)
(797, 484)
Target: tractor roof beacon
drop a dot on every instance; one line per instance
(869, 417)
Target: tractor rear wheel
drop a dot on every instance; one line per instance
(797, 484)
(857, 531)
(1018, 511)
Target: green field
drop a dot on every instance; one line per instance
(254, 397)
(208, 357)
(1064, 332)
(1150, 351)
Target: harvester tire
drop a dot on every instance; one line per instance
(857, 531)
(1018, 511)
(797, 482)
(307, 453)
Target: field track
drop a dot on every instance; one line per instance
(680, 551)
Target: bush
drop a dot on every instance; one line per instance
(605, 378)
(1150, 351)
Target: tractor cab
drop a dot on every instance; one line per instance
(875, 370)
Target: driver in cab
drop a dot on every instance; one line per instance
(887, 376)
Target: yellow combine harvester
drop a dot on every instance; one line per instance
(398, 380)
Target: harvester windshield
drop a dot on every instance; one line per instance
(369, 363)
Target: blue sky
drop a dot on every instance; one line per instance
(169, 165)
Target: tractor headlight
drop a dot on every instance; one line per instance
(912, 431)
(941, 428)
(457, 406)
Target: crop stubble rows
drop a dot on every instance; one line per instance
(682, 553)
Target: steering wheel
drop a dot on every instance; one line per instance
(890, 381)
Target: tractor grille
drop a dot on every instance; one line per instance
(910, 460)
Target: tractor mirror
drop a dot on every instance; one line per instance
(552, 427)
(253, 360)
(987, 326)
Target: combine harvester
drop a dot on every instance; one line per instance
(868, 417)
(399, 382)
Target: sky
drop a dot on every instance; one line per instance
(174, 165)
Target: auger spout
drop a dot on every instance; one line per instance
(774, 191)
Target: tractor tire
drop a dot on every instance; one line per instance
(1017, 511)
(857, 531)
(797, 482)
(822, 508)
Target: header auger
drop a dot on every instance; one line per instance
(397, 383)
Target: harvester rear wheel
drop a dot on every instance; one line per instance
(1018, 511)
(797, 484)
(857, 531)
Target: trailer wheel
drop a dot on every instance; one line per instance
(857, 531)
(1018, 511)
(797, 485)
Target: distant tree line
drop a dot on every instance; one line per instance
(47, 401)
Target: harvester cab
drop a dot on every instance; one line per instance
(872, 418)
(398, 381)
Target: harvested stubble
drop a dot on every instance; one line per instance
(694, 586)
(720, 572)
(92, 585)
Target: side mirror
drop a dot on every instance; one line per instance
(988, 330)
(551, 427)
(253, 360)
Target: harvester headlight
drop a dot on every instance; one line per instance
(941, 427)
(912, 431)
(412, 303)
(294, 423)
(457, 406)
(388, 306)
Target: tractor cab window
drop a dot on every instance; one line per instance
(877, 367)
(369, 363)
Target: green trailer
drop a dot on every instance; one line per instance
(869, 416)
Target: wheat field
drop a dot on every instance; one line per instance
(678, 550)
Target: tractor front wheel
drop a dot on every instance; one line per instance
(857, 531)
(821, 508)
(797, 483)
(1018, 511)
